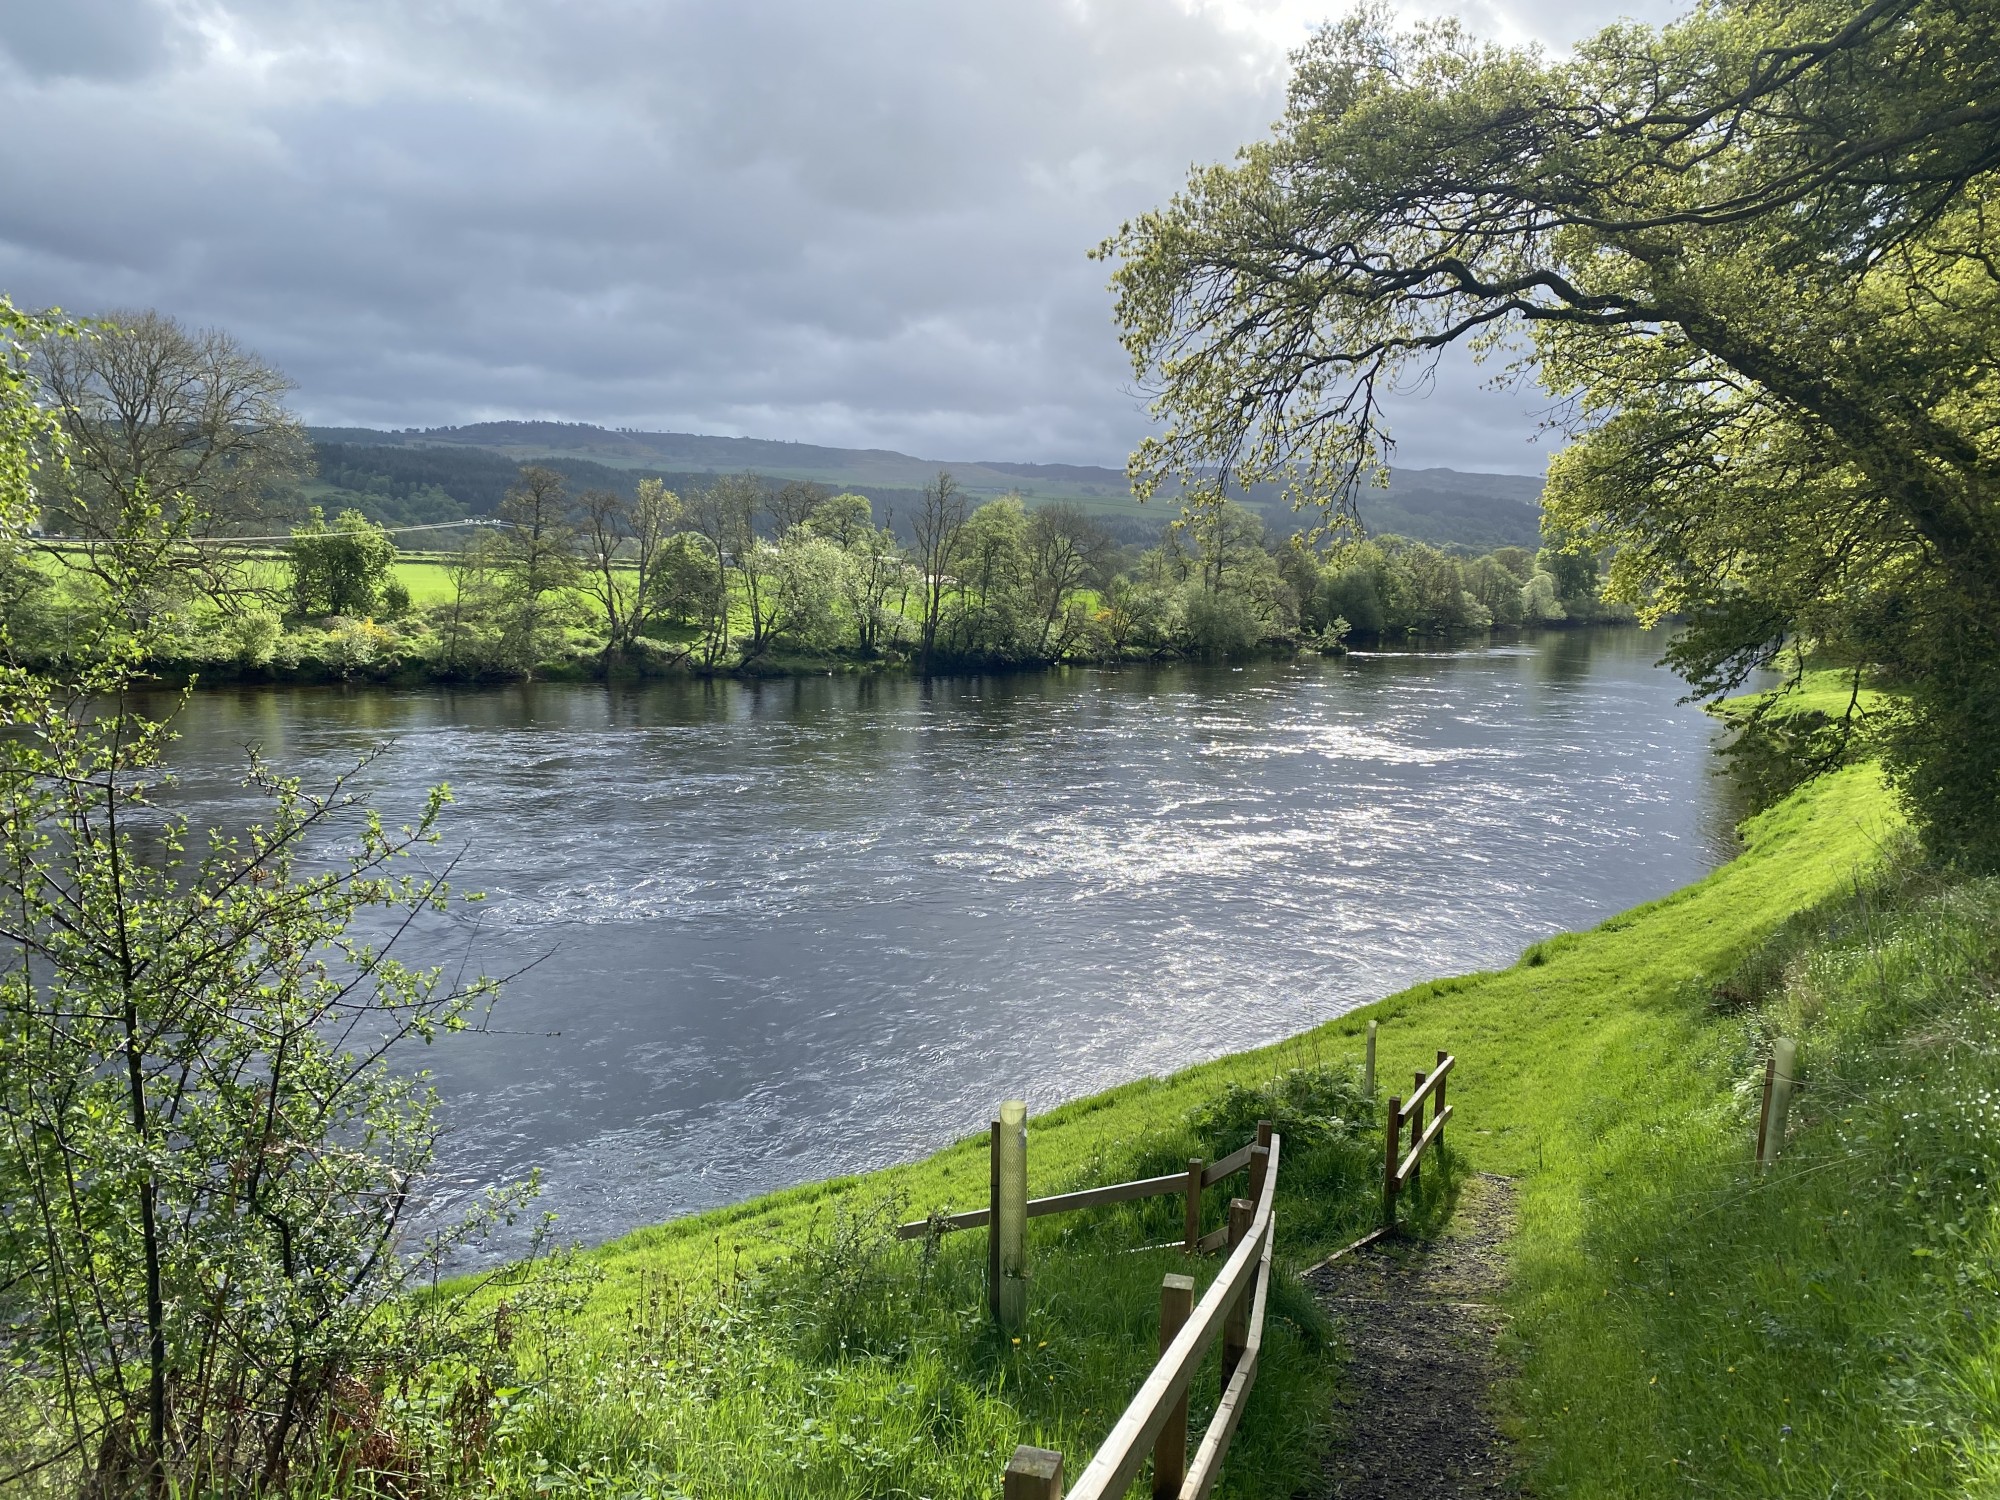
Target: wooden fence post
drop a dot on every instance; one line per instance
(1392, 1136)
(1764, 1111)
(1034, 1474)
(1013, 1215)
(993, 1226)
(1368, 1064)
(1170, 1448)
(1437, 1109)
(1784, 1060)
(1417, 1134)
(1195, 1164)
(1236, 1326)
(1260, 1168)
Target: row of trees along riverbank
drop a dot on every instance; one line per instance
(734, 574)
(745, 575)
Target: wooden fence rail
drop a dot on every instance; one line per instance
(1190, 1182)
(1400, 1170)
(1155, 1423)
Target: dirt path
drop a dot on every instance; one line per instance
(1419, 1322)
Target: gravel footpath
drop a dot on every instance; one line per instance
(1418, 1321)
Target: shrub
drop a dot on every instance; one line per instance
(1218, 625)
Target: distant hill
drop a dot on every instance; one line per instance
(443, 472)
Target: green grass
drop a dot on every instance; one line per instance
(780, 1348)
(429, 583)
(805, 1352)
(1830, 1327)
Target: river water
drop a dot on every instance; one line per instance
(785, 930)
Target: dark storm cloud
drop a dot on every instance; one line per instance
(858, 224)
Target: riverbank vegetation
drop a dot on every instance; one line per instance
(735, 575)
(748, 577)
(211, 1144)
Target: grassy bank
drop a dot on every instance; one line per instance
(1828, 1328)
(1680, 1324)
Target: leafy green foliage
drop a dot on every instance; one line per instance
(1756, 254)
(212, 1150)
(340, 569)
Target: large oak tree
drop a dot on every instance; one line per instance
(1756, 254)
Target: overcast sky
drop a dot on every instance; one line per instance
(862, 224)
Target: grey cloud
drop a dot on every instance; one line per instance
(859, 224)
(96, 39)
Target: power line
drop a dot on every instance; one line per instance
(237, 541)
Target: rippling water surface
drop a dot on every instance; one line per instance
(792, 929)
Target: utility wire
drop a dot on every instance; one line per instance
(236, 541)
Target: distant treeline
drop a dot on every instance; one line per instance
(738, 574)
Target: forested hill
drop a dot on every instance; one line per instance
(442, 473)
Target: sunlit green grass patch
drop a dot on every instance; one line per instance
(826, 1357)
(1828, 1327)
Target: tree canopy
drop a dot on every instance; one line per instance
(1754, 253)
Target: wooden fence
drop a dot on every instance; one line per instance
(1189, 1183)
(1400, 1170)
(1155, 1424)
(1198, 1175)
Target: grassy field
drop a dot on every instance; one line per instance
(1680, 1324)
(429, 582)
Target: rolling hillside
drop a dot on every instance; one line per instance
(441, 473)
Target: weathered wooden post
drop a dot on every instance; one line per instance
(1195, 1165)
(1437, 1108)
(1764, 1109)
(1236, 1324)
(1260, 1161)
(1417, 1134)
(1392, 1137)
(993, 1225)
(1368, 1064)
(1013, 1218)
(1034, 1474)
(1170, 1448)
(1784, 1058)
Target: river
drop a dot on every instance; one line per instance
(789, 929)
